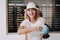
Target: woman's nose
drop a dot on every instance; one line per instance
(30, 10)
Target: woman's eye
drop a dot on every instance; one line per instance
(28, 9)
(33, 9)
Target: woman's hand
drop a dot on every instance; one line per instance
(37, 28)
(21, 30)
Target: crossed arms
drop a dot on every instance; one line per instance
(23, 30)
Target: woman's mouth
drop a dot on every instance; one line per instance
(30, 14)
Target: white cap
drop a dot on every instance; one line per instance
(31, 5)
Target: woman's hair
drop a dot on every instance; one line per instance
(27, 17)
(40, 13)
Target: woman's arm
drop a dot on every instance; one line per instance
(22, 30)
(36, 28)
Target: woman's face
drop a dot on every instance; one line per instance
(31, 12)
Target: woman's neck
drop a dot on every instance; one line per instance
(33, 20)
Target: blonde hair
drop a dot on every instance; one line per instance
(36, 15)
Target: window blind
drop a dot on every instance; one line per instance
(45, 6)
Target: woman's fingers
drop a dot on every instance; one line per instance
(40, 28)
(36, 28)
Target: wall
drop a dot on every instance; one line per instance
(3, 26)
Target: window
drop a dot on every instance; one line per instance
(15, 17)
(56, 16)
(16, 12)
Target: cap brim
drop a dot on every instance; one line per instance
(28, 8)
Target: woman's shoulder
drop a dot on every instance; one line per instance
(25, 20)
(23, 23)
(41, 18)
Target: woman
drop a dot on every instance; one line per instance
(32, 24)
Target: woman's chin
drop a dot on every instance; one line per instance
(31, 16)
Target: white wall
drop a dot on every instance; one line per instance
(3, 26)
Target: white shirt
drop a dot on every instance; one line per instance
(39, 23)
